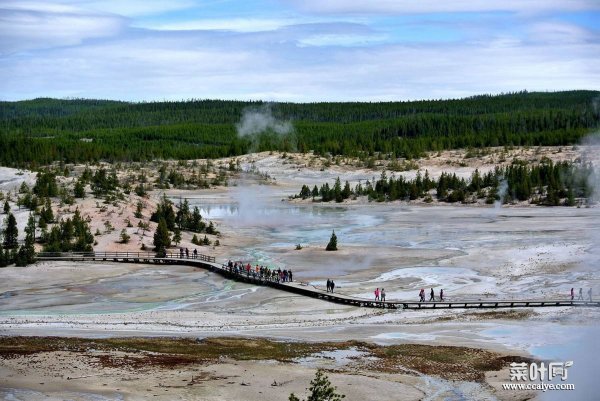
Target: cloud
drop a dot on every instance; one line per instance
(273, 66)
(232, 24)
(104, 49)
(133, 8)
(437, 6)
(32, 25)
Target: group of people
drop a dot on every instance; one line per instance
(380, 295)
(186, 253)
(261, 272)
(580, 297)
(431, 295)
(330, 285)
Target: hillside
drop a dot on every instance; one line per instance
(40, 131)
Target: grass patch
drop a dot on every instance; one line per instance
(453, 363)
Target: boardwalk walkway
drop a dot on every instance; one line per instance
(297, 287)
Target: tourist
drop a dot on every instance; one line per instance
(196, 254)
(328, 285)
(377, 294)
(572, 294)
(290, 275)
(432, 296)
(590, 294)
(332, 285)
(187, 253)
(441, 294)
(382, 295)
(181, 253)
(580, 297)
(422, 295)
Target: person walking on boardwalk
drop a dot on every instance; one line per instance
(377, 294)
(422, 295)
(181, 253)
(572, 294)
(382, 296)
(290, 275)
(432, 296)
(187, 253)
(580, 297)
(195, 253)
(590, 294)
(441, 294)
(328, 285)
(332, 285)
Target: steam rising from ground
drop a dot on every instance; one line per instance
(255, 208)
(502, 189)
(256, 120)
(591, 154)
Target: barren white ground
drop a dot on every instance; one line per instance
(470, 252)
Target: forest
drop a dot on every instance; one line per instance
(546, 184)
(37, 132)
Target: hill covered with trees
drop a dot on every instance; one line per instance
(38, 132)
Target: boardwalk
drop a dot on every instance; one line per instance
(298, 287)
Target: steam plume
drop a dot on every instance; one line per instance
(256, 120)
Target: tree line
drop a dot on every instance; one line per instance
(546, 183)
(42, 131)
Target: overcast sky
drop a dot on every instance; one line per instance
(295, 50)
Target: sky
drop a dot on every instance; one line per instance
(295, 50)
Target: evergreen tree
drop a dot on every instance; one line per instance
(165, 211)
(46, 214)
(45, 184)
(211, 229)
(11, 232)
(315, 192)
(138, 210)
(3, 259)
(337, 190)
(26, 254)
(162, 238)
(79, 189)
(6, 207)
(332, 245)
(177, 236)
(320, 389)
(124, 236)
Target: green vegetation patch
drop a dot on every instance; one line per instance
(453, 363)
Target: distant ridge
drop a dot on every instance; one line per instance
(128, 131)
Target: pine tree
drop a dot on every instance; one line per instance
(79, 189)
(177, 236)
(26, 254)
(138, 210)
(162, 238)
(337, 190)
(6, 207)
(3, 260)
(11, 232)
(124, 236)
(332, 245)
(315, 192)
(320, 390)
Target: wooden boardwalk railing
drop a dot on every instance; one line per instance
(208, 262)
